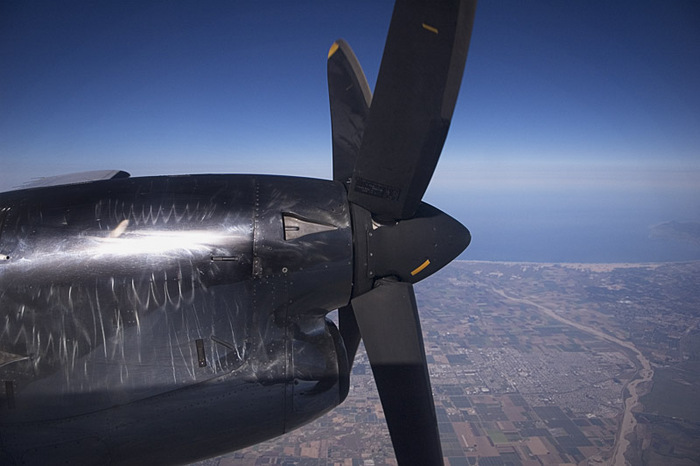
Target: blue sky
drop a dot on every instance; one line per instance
(589, 101)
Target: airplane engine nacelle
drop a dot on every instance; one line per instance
(186, 311)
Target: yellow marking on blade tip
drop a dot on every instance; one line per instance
(420, 268)
(430, 28)
(334, 48)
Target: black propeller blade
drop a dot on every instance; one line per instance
(412, 106)
(388, 319)
(350, 97)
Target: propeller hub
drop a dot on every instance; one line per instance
(411, 249)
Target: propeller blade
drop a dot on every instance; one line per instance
(388, 321)
(349, 331)
(413, 102)
(350, 97)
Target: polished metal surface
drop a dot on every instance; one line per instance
(166, 319)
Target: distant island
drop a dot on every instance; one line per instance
(688, 232)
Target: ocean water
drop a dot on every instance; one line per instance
(613, 226)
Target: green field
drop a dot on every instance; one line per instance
(673, 416)
(497, 436)
(675, 392)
